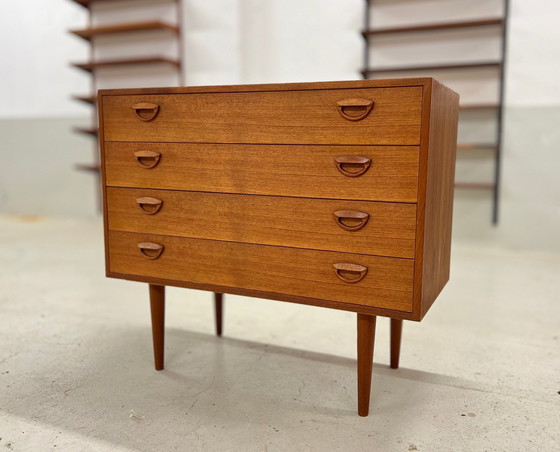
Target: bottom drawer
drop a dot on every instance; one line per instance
(380, 282)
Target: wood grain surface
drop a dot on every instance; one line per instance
(289, 117)
(307, 171)
(438, 207)
(270, 220)
(291, 271)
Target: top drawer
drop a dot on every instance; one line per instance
(384, 116)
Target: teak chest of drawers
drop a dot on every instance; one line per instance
(331, 194)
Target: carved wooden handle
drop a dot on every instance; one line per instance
(148, 205)
(145, 111)
(351, 220)
(150, 250)
(350, 273)
(352, 165)
(354, 109)
(148, 159)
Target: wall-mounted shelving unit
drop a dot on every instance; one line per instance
(141, 28)
(498, 25)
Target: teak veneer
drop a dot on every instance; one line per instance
(334, 194)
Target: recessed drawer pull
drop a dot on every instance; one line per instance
(352, 165)
(145, 111)
(351, 220)
(354, 109)
(148, 159)
(148, 205)
(350, 273)
(150, 250)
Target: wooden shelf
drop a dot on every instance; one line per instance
(87, 167)
(479, 107)
(480, 64)
(475, 146)
(87, 131)
(132, 27)
(433, 27)
(92, 65)
(87, 99)
(475, 185)
(87, 3)
(89, 33)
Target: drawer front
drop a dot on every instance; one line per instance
(308, 171)
(385, 229)
(385, 282)
(389, 116)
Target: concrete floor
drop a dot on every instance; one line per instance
(481, 372)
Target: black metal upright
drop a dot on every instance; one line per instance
(500, 121)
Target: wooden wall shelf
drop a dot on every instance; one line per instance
(88, 3)
(92, 65)
(87, 167)
(434, 27)
(436, 67)
(89, 33)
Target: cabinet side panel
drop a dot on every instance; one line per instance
(439, 192)
(103, 175)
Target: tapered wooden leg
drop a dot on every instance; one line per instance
(366, 340)
(219, 310)
(157, 305)
(396, 335)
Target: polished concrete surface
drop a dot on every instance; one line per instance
(481, 372)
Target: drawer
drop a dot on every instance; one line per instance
(377, 281)
(385, 229)
(308, 171)
(389, 116)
